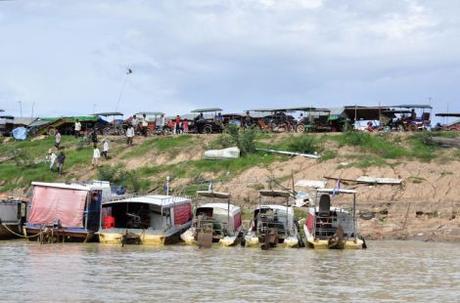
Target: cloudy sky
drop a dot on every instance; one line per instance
(70, 57)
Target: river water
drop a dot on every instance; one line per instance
(389, 271)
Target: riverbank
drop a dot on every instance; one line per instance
(424, 207)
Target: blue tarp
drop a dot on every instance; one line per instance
(20, 133)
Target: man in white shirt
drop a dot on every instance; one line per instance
(77, 128)
(105, 148)
(145, 125)
(57, 139)
(130, 135)
(96, 156)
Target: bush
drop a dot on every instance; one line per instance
(22, 158)
(303, 144)
(244, 139)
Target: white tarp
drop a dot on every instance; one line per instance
(311, 183)
(226, 153)
(374, 180)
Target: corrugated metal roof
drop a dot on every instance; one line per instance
(24, 121)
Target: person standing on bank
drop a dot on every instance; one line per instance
(177, 125)
(57, 139)
(145, 125)
(96, 156)
(105, 148)
(130, 135)
(60, 160)
(77, 128)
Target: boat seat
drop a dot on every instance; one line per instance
(324, 206)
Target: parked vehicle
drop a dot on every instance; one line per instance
(273, 224)
(12, 217)
(217, 222)
(146, 220)
(319, 120)
(207, 121)
(6, 125)
(115, 127)
(328, 227)
(66, 211)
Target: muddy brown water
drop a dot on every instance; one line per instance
(389, 271)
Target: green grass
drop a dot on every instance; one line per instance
(17, 175)
(162, 144)
(388, 146)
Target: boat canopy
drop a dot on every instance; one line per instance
(336, 191)
(158, 200)
(275, 193)
(223, 206)
(213, 194)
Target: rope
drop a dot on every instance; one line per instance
(20, 235)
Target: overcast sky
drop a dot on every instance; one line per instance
(70, 57)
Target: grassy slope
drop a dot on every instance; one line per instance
(369, 150)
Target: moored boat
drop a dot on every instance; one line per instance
(146, 220)
(273, 224)
(66, 211)
(217, 222)
(328, 227)
(12, 217)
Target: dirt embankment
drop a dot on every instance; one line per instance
(425, 206)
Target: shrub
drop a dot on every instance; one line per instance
(303, 144)
(244, 139)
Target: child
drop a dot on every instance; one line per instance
(185, 126)
(96, 156)
(52, 158)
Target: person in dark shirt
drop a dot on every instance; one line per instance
(60, 160)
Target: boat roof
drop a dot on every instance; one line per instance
(204, 110)
(159, 200)
(274, 193)
(75, 186)
(108, 114)
(213, 194)
(336, 191)
(224, 206)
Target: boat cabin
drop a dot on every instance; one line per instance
(332, 227)
(152, 219)
(273, 223)
(12, 217)
(66, 211)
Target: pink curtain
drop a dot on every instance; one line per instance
(52, 204)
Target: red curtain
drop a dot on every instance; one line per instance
(51, 204)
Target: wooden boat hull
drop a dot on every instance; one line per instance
(61, 234)
(189, 238)
(251, 240)
(324, 243)
(107, 236)
(6, 234)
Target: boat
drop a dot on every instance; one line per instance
(328, 227)
(12, 217)
(145, 220)
(273, 224)
(66, 211)
(217, 222)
